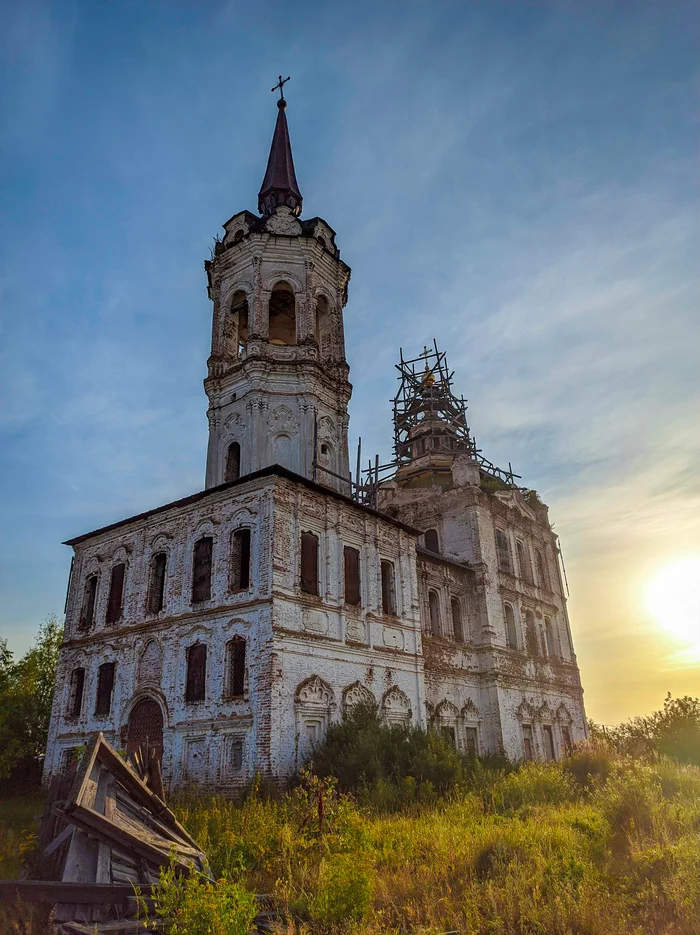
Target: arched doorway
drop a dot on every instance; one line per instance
(145, 724)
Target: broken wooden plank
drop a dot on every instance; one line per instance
(56, 843)
(53, 891)
(119, 927)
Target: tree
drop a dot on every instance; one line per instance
(677, 729)
(26, 696)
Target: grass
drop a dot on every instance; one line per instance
(591, 846)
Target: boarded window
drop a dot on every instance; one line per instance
(156, 590)
(116, 593)
(196, 672)
(457, 628)
(542, 578)
(472, 740)
(105, 684)
(511, 633)
(233, 462)
(77, 685)
(434, 608)
(309, 563)
(505, 562)
(351, 561)
(528, 748)
(201, 569)
(87, 615)
(236, 667)
(240, 560)
(388, 588)
(431, 540)
(524, 562)
(549, 742)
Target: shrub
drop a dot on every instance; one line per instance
(589, 764)
(344, 891)
(533, 784)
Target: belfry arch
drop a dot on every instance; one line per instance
(282, 315)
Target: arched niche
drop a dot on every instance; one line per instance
(323, 326)
(282, 315)
(236, 325)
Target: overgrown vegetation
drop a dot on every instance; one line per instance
(674, 731)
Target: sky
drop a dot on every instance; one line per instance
(516, 179)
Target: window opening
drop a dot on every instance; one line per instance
(551, 640)
(105, 684)
(351, 562)
(201, 569)
(523, 562)
(87, 617)
(431, 540)
(309, 563)
(238, 334)
(236, 756)
(282, 320)
(157, 589)
(434, 607)
(388, 588)
(505, 562)
(233, 462)
(542, 579)
(449, 734)
(457, 628)
(549, 742)
(566, 737)
(511, 633)
(116, 593)
(532, 642)
(528, 747)
(240, 560)
(471, 737)
(196, 672)
(77, 684)
(236, 676)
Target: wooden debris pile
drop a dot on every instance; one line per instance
(111, 835)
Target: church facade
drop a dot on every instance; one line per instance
(231, 627)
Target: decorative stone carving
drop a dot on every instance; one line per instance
(470, 710)
(396, 708)
(393, 637)
(545, 712)
(283, 222)
(525, 711)
(282, 419)
(315, 621)
(357, 693)
(314, 691)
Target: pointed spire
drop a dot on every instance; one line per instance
(280, 186)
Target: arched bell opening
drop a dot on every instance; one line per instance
(323, 325)
(282, 315)
(237, 324)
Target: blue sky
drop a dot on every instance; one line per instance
(516, 179)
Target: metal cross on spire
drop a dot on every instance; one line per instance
(280, 86)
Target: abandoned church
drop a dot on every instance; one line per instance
(231, 627)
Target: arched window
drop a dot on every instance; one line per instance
(116, 594)
(309, 562)
(235, 683)
(239, 577)
(523, 562)
(542, 578)
(505, 562)
(233, 462)
(156, 590)
(551, 639)
(195, 684)
(201, 569)
(511, 632)
(533, 644)
(432, 543)
(282, 319)
(236, 333)
(457, 620)
(87, 614)
(323, 325)
(388, 588)
(434, 607)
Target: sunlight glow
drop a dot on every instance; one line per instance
(673, 597)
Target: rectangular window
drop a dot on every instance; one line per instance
(549, 742)
(236, 667)
(87, 615)
(471, 738)
(196, 672)
(235, 755)
(542, 578)
(201, 569)
(309, 563)
(116, 593)
(528, 748)
(156, 592)
(351, 559)
(566, 738)
(77, 685)
(449, 734)
(524, 562)
(505, 562)
(105, 684)
(388, 588)
(240, 560)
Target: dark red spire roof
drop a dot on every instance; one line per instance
(280, 186)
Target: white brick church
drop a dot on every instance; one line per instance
(231, 627)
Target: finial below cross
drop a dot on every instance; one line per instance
(280, 85)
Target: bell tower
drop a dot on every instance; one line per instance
(278, 381)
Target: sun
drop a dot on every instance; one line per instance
(673, 598)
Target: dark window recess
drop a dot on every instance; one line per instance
(240, 560)
(388, 588)
(542, 579)
(236, 661)
(105, 684)
(532, 642)
(511, 633)
(449, 734)
(116, 593)
(566, 737)
(309, 563)
(471, 737)
(196, 672)
(503, 551)
(87, 616)
(457, 621)
(351, 560)
(201, 569)
(524, 563)
(77, 685)
(233, 462)
(157, 589)
(431, 540)
(236, 756)
(434, 607)
(549, 743)
(528, 748)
